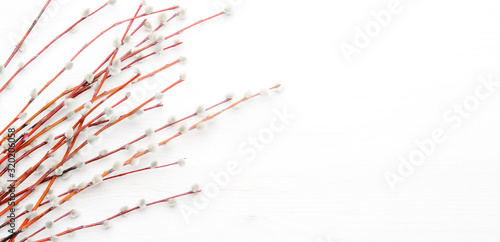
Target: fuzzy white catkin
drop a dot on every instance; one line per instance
(183, 128)
(129, 147)
(108, 111)
(163, 18)
(182, 59)
(117, 165)
(70, 115)
(148, 26)
(69, 65)
(195, 188)
(32, 215)
(68, 102)
(80, 164)
(50, 138)
(123, 209)
(59, 171)
(142, 203)
(112, 2)
(172, 120)
(113, 118)
(160, 38)
(113, 70)
(5, 187)
(116, 62)
(117, 43)
(28, 207)
(23, 116)
(75, 213)
(228, 10)
(40, 169)
(92, 140)
(248, 94)
(264, 92)
(149, 132)
(53, 198)
(172, 202)
(49, 224)
(200, 110)
(89, 77)
(159, 96)
(106, 224)
(158, 49)
(71, 234)
(181, 13)
(97, 179)
(230, 95)
(149, 9)
(82, 185)
(127, 39)
(54, 238)
(201, 126)
(152, 36)
(72, 187)
(153, 164)
(139, 56)
(54, 203)
(139, 112)
(95, 86)
(69, 133)
(74, 29)
(103, 152)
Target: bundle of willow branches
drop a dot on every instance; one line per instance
(86, 112)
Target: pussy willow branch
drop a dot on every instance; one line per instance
(48, 45)
(102, 222)
(18, 46)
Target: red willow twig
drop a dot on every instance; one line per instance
(47, 46)
(46, 227)
(76, 55)
(18, 46)
(105, 222)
